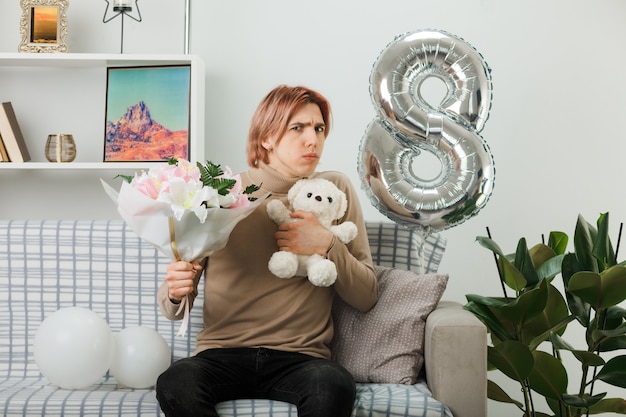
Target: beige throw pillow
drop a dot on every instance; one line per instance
(386, 344)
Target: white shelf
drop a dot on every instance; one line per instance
(66, 93)
(78, 165)
(91, 60)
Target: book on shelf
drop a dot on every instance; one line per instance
(4, 156)
(12, 134)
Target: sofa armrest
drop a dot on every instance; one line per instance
(455, 357)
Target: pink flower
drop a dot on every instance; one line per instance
(148, 185)
(185, 170)
(236, 192)
(241, 201)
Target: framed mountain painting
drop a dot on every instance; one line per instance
(147, 113)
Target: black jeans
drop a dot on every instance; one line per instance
(193, 386)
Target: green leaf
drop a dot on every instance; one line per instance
(480, 307)
(559, 343)
(540, 254)
(609, 405)
(209, 175)
(559, 408)
(252, 188)
(512, 277)
(223, 185)
(616, 332)
(614, 372)
(548, 376)
(210, 169)
(512, 358)
(524, 263)
(489, 244)
(580, 309)
(127, 178)
(616, 313)
(614, 343)
(558, 242)
(611, 334)
(554, 329)
(553, 318)
(527, 306)
(586, 401)
(587, 286)
(600, 290)
(584, 236)
(613, 286)
(602, 249)
(486, 301)
(494, 392)
(550, 268)
(586, 358)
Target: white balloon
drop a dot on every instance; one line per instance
(140, 356)
(73, 347)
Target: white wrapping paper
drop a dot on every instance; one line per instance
(190, 239)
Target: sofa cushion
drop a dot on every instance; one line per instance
(35, 396)
(398, 247)
(386, 344)
(380, 400)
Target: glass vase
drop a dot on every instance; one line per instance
(60, 148)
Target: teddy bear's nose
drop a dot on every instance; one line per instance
(318, 198)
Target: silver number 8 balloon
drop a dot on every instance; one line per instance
(407, 127)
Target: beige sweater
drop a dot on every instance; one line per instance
(245, 305)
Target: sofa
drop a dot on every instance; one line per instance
(46, 265)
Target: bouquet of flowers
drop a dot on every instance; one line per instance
(186, 211)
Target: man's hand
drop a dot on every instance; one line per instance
(305, 236)
(180, 277)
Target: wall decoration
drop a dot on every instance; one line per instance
(43, 25)
(122, 8)
(147, 113)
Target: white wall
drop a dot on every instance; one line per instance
(554, 129)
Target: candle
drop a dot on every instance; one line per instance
(124, 5)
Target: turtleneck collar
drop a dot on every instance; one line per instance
(272, 181)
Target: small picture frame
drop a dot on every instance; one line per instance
(147, 113)
(43, 25)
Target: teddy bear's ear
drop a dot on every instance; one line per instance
(295, 189)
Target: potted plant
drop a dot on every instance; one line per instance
(526, 328)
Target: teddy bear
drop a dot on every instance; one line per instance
(322, 198)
